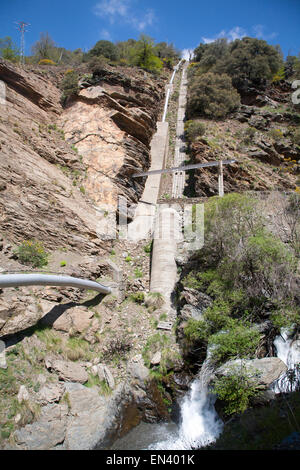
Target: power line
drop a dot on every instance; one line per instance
(21, 25)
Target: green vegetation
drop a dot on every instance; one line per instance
(148, 247)
(32, 252)
(69, 85)
(105, 49)
(143, 55)
(193, 130)
(238, 340)
(138, 273)
(236, 390)
(8, 50)
(138, 297)
(211, 95)
(243, 59)
(249, 276)
(247, 272)
(154, 301)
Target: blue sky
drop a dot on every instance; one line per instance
(81, 23)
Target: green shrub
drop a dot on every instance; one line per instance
(237, 341)
(196, 331)
(32, 252)
(280, 75)
(105, 49)
(138, 273)
(154, 300)
(236, 390)
(212, 96)
(285, 317)
(194, 129)
(138, 297)
(249, 135)
(69, 85)
(97, 64)
(148, 247)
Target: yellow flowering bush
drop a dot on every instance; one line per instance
(32, 252)
(46, 62)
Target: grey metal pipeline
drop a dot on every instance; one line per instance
(17, 280)
(169, 91)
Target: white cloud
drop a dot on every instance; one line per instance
(147, 20)
(235, 33)
(104, 34)
(238, 33)
(111, 9)
(259, 31)
(121, 10)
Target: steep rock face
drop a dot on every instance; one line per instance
(48, 188)
(37, 198)
(111, 123)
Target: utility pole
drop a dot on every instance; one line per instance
(221, 181)
(21, 25)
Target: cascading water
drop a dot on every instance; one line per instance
(200, 424)
(288, 350)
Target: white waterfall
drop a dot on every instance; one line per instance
(200, 424)
(288, 350)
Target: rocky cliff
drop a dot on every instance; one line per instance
(57, 164)
(72, 373)
(259, 136)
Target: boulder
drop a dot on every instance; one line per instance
(45, 433)
(50, 393)
(20, 319)
(105, 374)
(155, 361)
(138, 371)
(267, 370)
(23, 394)
(67, 371)
(80, 318)
(92, 416)
(3, 364)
